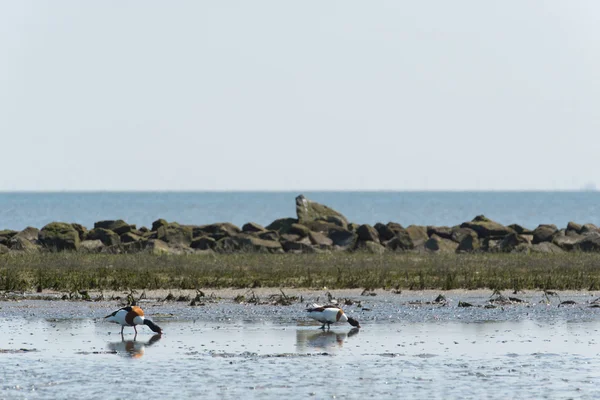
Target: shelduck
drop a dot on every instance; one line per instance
(132, 316)
(328, 315)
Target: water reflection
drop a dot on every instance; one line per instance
(322, 340)
(132, 348)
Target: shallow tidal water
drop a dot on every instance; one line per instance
(223, 350)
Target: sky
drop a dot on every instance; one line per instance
(311, 95)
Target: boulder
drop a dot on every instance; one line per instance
(468, 244)
(243, 243)
(158, 223)
(587, 228)
(217, 231)
(82, 230)
(544, 233)
(342, 237)
(175, 234)
(567, 242)
(58, 236)
(119, 226)
(353, 227)
(308, 211)
(367, 233)
(107, 237)
(269, 235)
(441, 245)
(91, 246)
(29, 233)
(291, 237)
(486, 228)
(459, 234)
(6, 235)
(399, 243)
(321, 226)
(302, 246)
(510, 242)
(384, 232)
(158, 247)
(20, 243)
(299, 229)
(589, 242)
(546, 247)
(573, 226)
(519, 229)
(444, 232)
(252, 227)
(4, 249)
(320, 240)
(281, 225)
(130, 237)
(369, 246)
(334, 219)
(203, 243)
(417, 234)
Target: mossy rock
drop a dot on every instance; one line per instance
(4, 249)
(246, 243)
(510, 242)
(589, 242)
(252, 227)
(588, 228)
(6, 235)
(369, 246)
(107, 237)
(520, 229)
(82, 230)
(91, 246)
(486, 228)
(438, 244)
(399, 243)
(367, 233)
(216, 231)
(158, 247)
(130, 237)
(567, 242)
(299, 229)
(308, 211)
(203, 243)
(321, 226)
(269, 235)
(468, 244)
(544, 233)
(59, 236)
(20, 243)
(459, 234)
(418, 234)
(175, 234)
(342, 237)
(320, 240)
(298, 247)
(158, 223)
(444, 232)
(281, 225)
(117, 226)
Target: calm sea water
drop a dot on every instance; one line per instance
(19, 210)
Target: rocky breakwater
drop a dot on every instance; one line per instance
(316, 228)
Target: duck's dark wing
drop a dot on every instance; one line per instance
(115, 313)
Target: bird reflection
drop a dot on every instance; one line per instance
(322, 340)
(132, 348)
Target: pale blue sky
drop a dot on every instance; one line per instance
(281, 95)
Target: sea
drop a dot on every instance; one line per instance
(19, 210)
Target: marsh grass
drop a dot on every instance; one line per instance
(75, 271)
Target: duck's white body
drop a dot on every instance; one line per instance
(328, 315)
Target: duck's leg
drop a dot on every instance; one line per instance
(135, 329)
(323, 326)
(328, 325)
(122, 326)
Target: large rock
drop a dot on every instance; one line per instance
(130, 237)
(342, 237)
(91, 246)
(444, 232)
(82, 230)
(217, 231)
(459, 234)
(203, 243)
(567, 242)
(320, 240)
(19, 243)
(299, 229)
(246, 243)
(369, 246)
(158, 223)
(320, 225)
(367, 233)
(107, 237)
(573, 227)
(437, 244)
(6, 235)
(58, 236)
(175, 234)
(302, 246)
(281, 225)
(469, 243)
(157, 247)
(4, 249)
(269, 235)
(307, 211)
(546, 247)
(31, 234)
(399, 243)
(588, 228)
(417, 234)
(486, 228)
(250, 227)
(119, 226)
(511, 242)
(544, 233)
(519, 229)
(589, 242)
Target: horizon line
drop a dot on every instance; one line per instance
(299, 191)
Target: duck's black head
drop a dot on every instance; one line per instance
(153, 326)
(353, 322)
